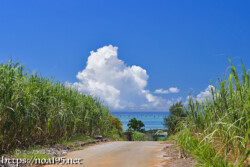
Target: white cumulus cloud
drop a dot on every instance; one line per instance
(203, 95)
(170, 90)
(118, 85)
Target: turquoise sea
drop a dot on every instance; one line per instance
(152, 120)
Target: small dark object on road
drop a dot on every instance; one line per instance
(98, 137)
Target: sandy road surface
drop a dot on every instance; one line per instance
(120, 154)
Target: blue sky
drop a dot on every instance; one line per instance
(179, 44)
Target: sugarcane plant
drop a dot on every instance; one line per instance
(220, 125)
(36, 110)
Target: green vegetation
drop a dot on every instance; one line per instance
(136, 125)
(37, 111)
(217, 130)
(44, 153)
(175, 116)
(117, 132)
(138, 136)
(202, 150)
(72, 140)
(31, 153)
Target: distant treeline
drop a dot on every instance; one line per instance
(35, 111)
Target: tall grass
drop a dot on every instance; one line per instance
(222, 121)
(35, 110)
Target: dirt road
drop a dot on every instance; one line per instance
(121, 154)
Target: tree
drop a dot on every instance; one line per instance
(117, 123)
(136, 125)
(175, 116)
